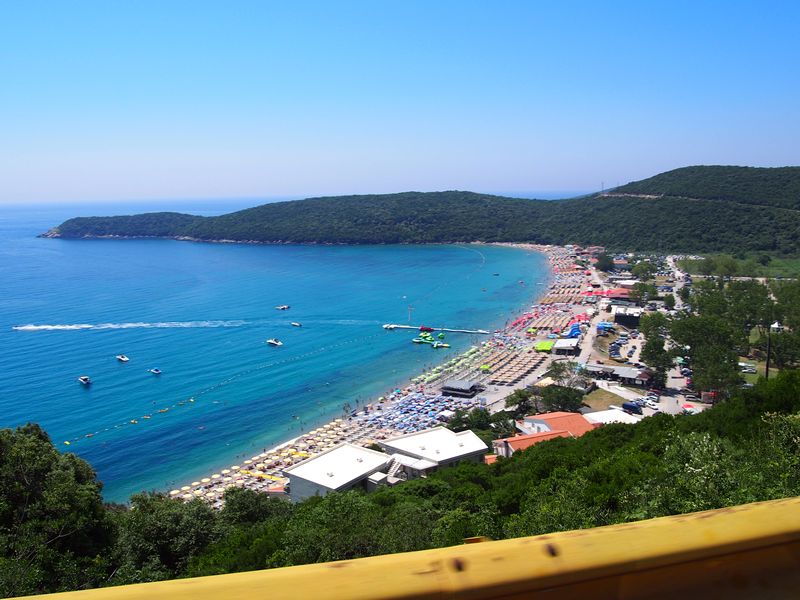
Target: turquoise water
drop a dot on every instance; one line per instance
(201, 313)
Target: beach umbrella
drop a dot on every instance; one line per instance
(225, 471)
(259, 465)
(197, 492)
(227, 479)
(185, 488)
(211, 494)
(174, 492)
(187, 496)
(216, 476)
(205, 480)
(236, 467)
(195, 483)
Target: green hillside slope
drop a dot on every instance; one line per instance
(778, 187)
(680, 219)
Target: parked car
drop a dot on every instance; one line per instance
(651, 405)
(692, 397)
(631, 407)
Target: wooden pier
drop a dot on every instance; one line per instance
(392, 326)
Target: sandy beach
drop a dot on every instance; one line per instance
(506, 361)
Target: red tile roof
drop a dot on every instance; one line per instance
(521, 442)
(490, 458)
(574, 423)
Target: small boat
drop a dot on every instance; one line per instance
(154, 371)
(440, 345)
(295, 324)
(122, 358)
(282, 307)
(425, 328)
(274, 342)
(85, 380)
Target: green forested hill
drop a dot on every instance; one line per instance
(778, 187)
(693, 223)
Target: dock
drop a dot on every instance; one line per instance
(392, 326)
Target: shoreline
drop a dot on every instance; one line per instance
(417, 404)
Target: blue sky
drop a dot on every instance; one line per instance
(140, 100)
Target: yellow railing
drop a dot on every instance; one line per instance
(749, 551)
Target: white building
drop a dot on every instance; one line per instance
(341, 468)
(612, 415)
(437, 447)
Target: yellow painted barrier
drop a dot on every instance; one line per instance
(749, 551)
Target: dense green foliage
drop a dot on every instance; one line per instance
(57, 535)
(742, 265)
(702, 224)
(779, 187)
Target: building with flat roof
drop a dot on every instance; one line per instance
(567, 346)
(439, 446)
(341, 468)
(461, 388)
(612, 415)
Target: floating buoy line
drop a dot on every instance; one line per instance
(192, 400)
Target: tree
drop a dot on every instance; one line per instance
(159, 536)
(339, 526)
(247, 506)
(644, 270)
(669, 301)
(558, 398)
(54, 532)
(604, 263)
(642, 292)
(566, 373)
(522, 402)
(711, 343)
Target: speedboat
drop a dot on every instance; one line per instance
(154, 371)
(282, 307)
(440, 345)
(294, 324)
(85, 380)
(274, 342)
(122, 358)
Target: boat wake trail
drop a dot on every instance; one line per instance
(133, 325)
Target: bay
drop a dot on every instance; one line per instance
(201, 313)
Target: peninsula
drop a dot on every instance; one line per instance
(694, 209)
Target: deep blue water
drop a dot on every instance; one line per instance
(201, 313)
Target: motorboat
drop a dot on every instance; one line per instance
(282, 307)
(274, 342)
(440, 345)
(85, 380)
(295, 324)
(426, 328)
(154, 371)
(122, 358)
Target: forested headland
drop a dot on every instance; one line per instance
(57, 534)
(695, 209)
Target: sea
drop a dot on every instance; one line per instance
(201, 313)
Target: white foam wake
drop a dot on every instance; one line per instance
(135, 325)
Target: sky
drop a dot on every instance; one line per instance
(104, 101)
